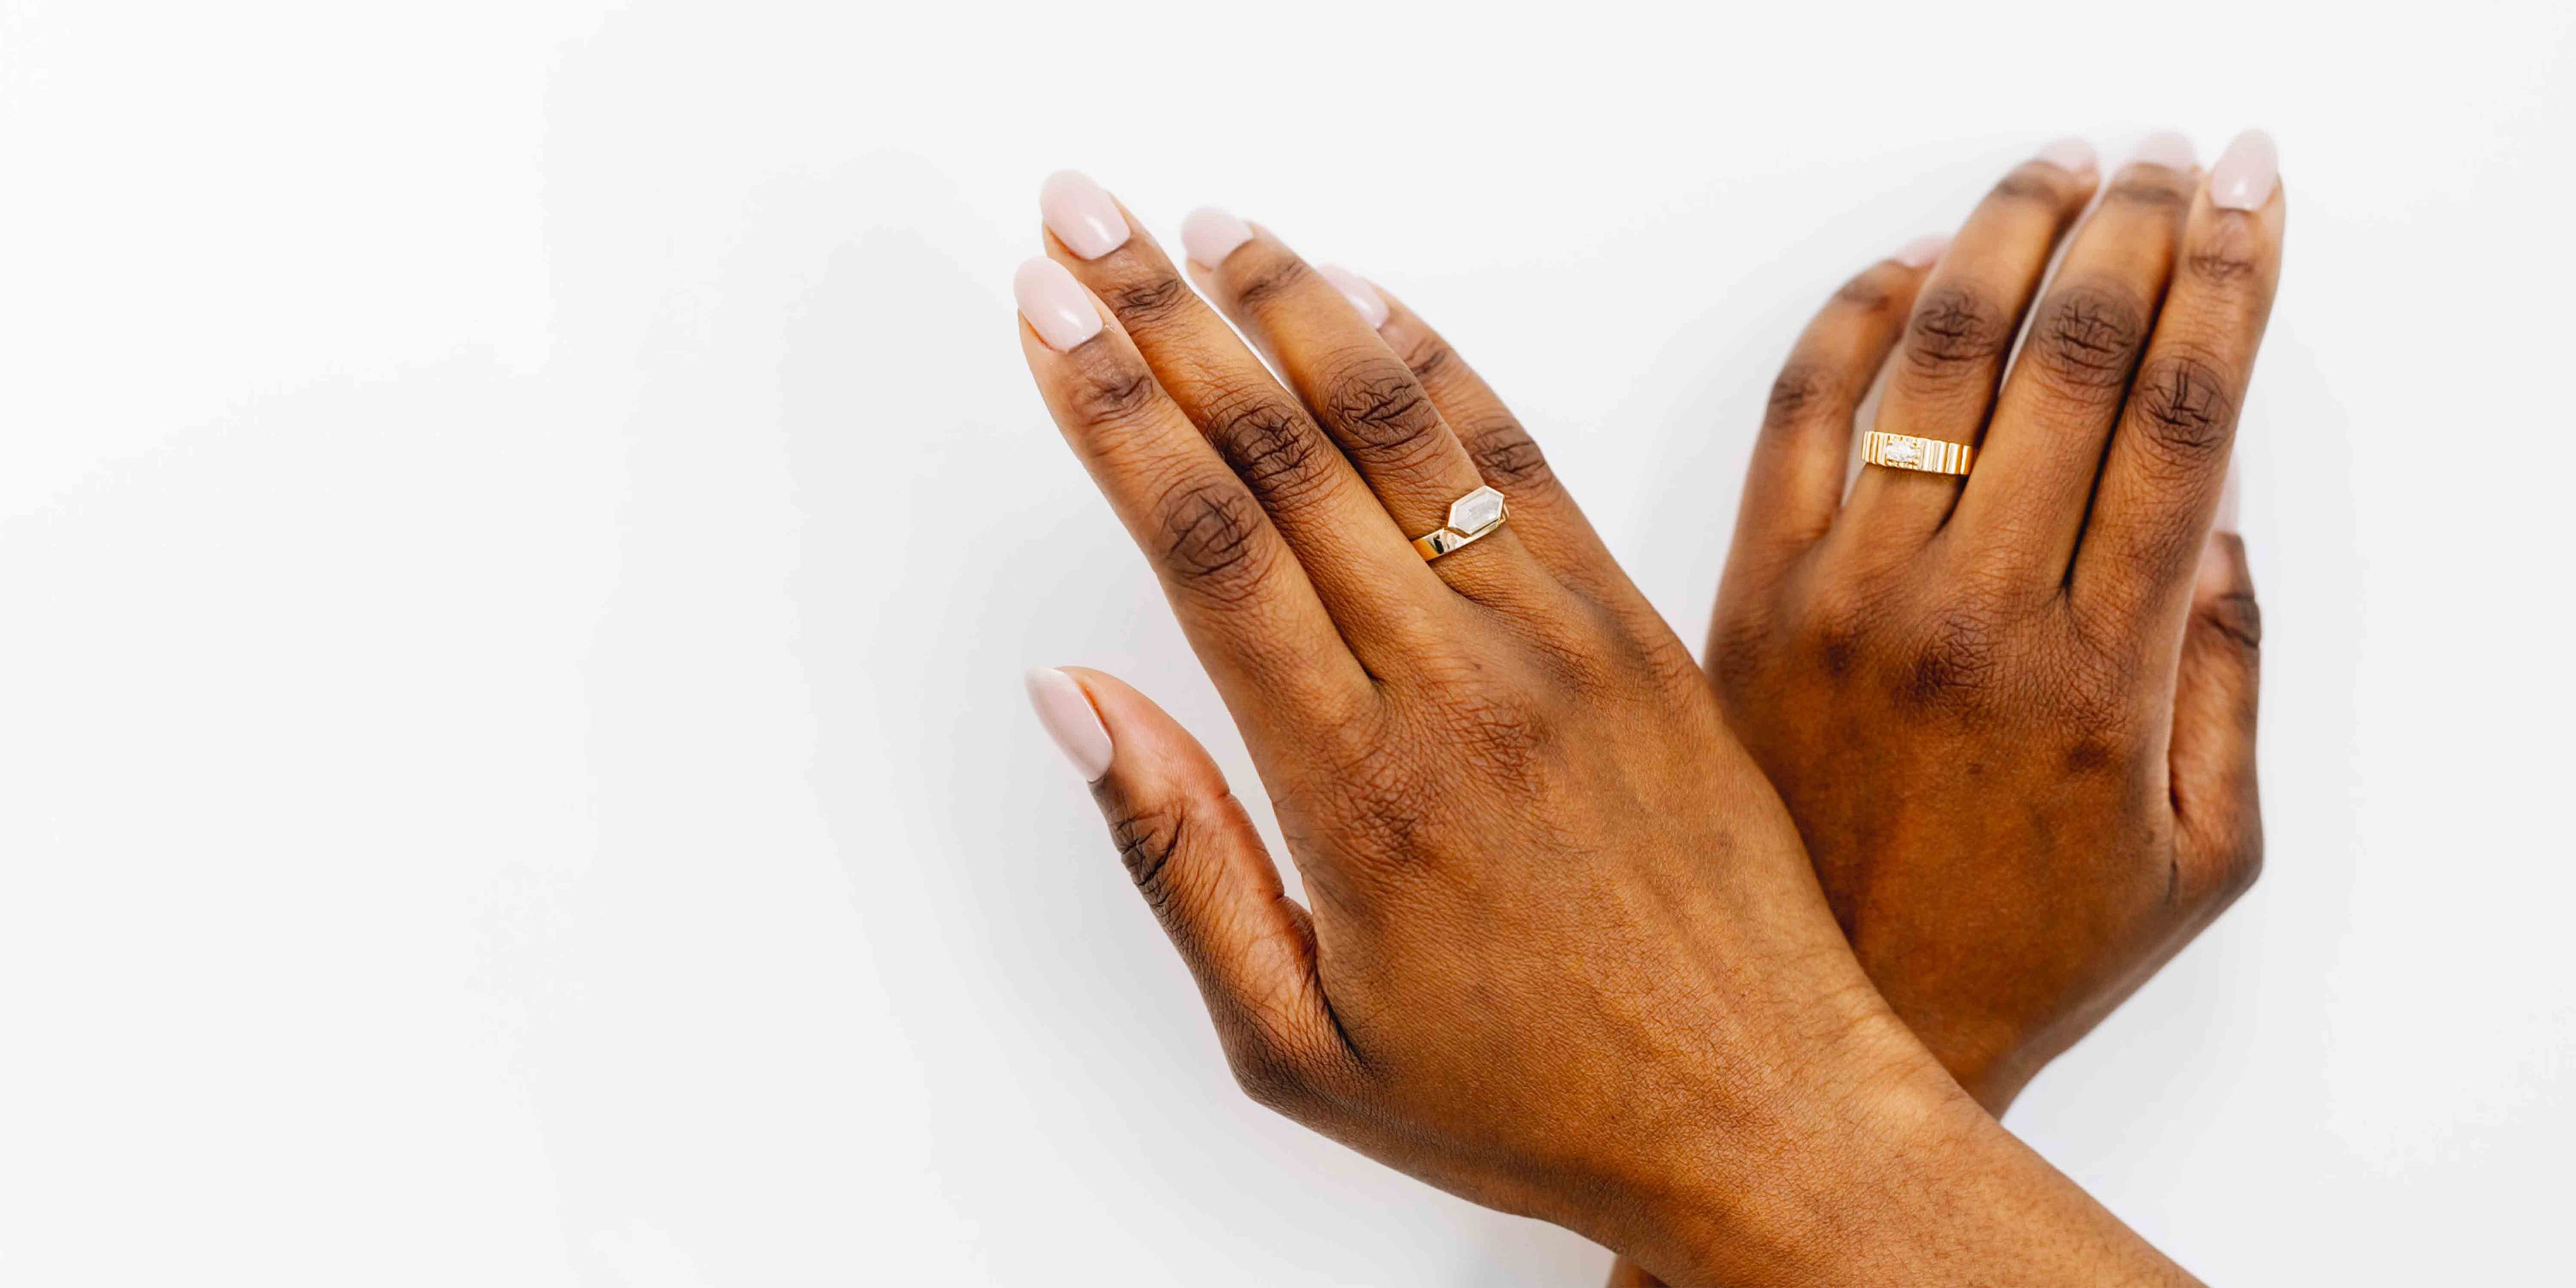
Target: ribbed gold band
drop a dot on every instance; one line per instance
(1907, 452)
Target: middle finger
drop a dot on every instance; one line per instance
(1955, 344)
(1363, 395)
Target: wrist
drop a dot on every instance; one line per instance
(1821, 1184)
(1880, 1170)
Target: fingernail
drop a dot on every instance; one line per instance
(1069, 719)
(2166, 148)
(2227, 502)
(1081, 215)
(1210, 234)
(1920, 252)
(1356, 289)
(2245, 173)
(2072, 155)
(1057, 307)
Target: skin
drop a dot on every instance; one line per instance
(2013, 715)
(1566, 955)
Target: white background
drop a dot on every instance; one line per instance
(521, 523)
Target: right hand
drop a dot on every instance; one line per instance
(2014, 714)
(1566, 955)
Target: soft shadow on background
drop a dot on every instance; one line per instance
(522, 524)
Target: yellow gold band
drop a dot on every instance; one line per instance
(1907, 452)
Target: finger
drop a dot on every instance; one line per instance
(1359, 564)
(1628, 1274)
(1242, 599)
(1961, 331)
(1794, 484)
(1506, 457)
(2219, 819)
(2024, 506)
(2168, 457)
(1200, 864)
(1321, 335)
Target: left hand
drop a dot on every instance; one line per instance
(1566, 955)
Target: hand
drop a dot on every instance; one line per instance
(1566, 955)
(2013, 715)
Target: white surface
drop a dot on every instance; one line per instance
(520, 526)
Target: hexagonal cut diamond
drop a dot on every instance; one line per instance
(1899, 452)
(1476, 511)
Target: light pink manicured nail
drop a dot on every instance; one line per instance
(1364, 297)
(2072, 155)
(1057, 307)
(2245, 174)
(1081, 215)
(1070, 720)
(1922, 251)
(2166, 148)
(1208, 235)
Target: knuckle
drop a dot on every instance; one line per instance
(2185, 407)
(1383, 803)
(2235, 619)
(1112, 388)
(2151, 187)
(2086, 699)
(1802, 390)
(1147, 838)
(2226, 254)
(1506, 455)
(1842, 624)
(1269, 279)
(1429, 356)
(1956, 330)
(2031, 182)
(1149, 303)
(1211, 541)
(1869, 290)
(2088, 336)
(1271, 445)
(1957, 662)
(1377, 402)
(1497, 733)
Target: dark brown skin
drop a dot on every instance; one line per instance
(1566, 954)
(2014, 717)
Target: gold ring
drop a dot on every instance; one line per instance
(1906, 452)
(1470, 517)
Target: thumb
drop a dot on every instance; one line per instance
(2212, 760)
(1202, 868)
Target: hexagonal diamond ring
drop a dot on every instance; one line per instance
(1470, 517)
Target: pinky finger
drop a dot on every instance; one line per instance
(2215, 703)
(1202, 868)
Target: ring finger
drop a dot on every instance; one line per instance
(1960, 333)
(1321, 334)
(2024, 506)
(1351, 549)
